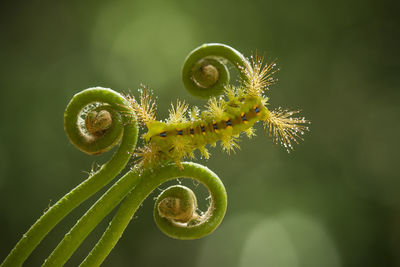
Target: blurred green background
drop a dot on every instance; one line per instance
(334, 201)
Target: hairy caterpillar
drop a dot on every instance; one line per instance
(224, 119)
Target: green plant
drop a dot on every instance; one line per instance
(97, 119)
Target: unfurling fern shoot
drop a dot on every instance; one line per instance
(225, 117)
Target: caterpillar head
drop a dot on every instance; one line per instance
(154, 128)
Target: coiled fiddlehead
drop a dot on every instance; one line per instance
(205, 73)
(175, 210)
(103, 124)
(176, 204)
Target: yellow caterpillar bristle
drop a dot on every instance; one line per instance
(146, 109)
(216, 108)
(264, 100)
(284, 129)
(147, 156)
(204, 152)
(194, 113)
(230, 92)
(229, 143)
(261, 77)
(240, 92)
(178, 114)
(180, 146)
(191, 155)
(250, 132)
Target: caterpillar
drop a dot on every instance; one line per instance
(224, 119)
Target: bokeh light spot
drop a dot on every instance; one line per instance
(136, 44)
(268, 244)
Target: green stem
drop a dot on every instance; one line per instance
(150, 181)
(205, 73)
(95, 182)
(91, 219)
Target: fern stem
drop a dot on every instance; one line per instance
(91, 219)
